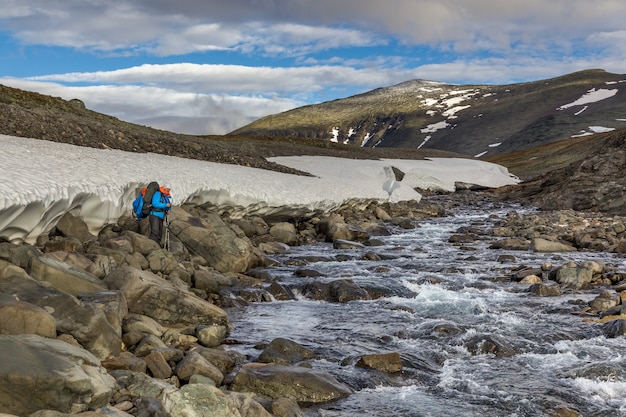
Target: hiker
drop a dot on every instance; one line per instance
(161, 205)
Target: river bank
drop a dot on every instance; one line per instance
(152, 331)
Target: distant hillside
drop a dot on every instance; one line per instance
(28, 114)
(475, 120)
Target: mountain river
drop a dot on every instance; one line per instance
(445, 296)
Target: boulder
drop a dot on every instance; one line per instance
(206, 400)
(285, 351)
(304, 385)
(543, 245)
(211, 336)
(79, 261)
(195, 364)
(572, 276)
(65, 378)
(152, 296)
(19, 317)
(64, 277)
(72, 226)
(215, 241)
(615, 328)
(285, 232)
(387, 362)
(87, 323)
(346, 290)
(545, 289)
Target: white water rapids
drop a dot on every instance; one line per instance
(445, 296)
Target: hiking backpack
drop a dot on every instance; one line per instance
(143, 203)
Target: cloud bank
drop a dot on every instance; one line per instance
(202, 67)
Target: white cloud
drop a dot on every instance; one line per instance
(457, 41)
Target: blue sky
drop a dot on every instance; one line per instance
(209, 67)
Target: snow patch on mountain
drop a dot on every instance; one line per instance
(592, 96)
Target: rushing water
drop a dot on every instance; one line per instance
(445, 296)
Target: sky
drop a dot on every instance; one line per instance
(100, 185)
(210, 67)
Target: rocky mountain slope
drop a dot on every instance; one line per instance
(584, 173)
(33, 115)
(475, 120)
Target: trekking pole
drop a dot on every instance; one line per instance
(167, 233)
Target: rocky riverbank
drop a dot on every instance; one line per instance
(116, 325)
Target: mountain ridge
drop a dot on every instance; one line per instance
(471, 119)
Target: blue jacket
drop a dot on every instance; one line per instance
(159, 204)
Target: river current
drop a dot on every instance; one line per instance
(444, 297)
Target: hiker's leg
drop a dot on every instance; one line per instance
(156, 228)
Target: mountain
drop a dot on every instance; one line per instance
(583, 173)
(32, 115)
(475, 120)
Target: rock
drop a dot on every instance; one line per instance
(572, 276)
(64, 277)
(85, 322)
(545, 289)
(511, 244)
(285, 351)
(615, 328)
(143, 324)
(215, 241)
(211, 336)
(140, 243)
(210, 280)
(530, 279)
(285, 232)
(301, 384)
(79, 261)
(224, 360)
(206, 400)
(65, 378)
(72, 226)
(152, 296)
(125, 360)
(195, 364)
(346, 290)
(605, 301)
(386, 362)
(486, 344)
(280, 292)
(19, 317)
(157, 364)
(543, 245)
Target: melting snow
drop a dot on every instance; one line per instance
(432, 128)
(581, 110)
(591, 96)
(451, 113)
(43, 180)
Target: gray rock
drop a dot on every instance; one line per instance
(65, 378)
(19, 317)
(285, 351)
(285, 232)
(161, 300)
(543, 245)
(572, 276)
(206, 400)
(195, 364)
(215, 241)
(64, 277)
(85, 322)
(300, 384)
